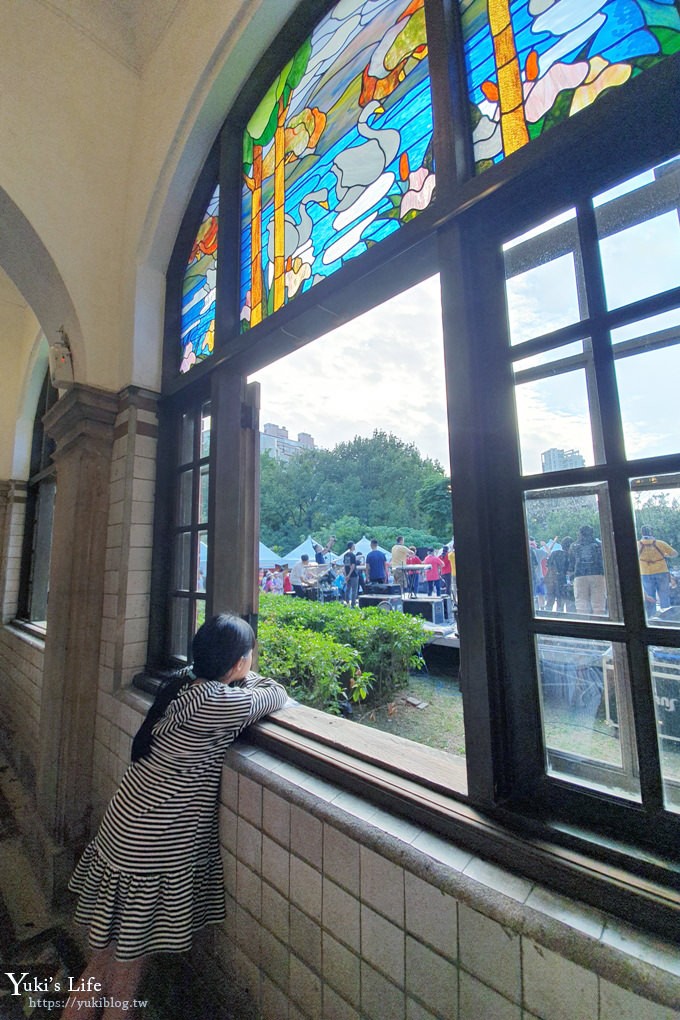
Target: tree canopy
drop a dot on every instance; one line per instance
(376, 486)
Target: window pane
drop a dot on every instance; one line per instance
(585, 709)
(650, 331)
(183, 561)
(648, 384)
(205, 430)
(202, 560)
(657, 524)
(553, 413)
(665, 667)
(571, 558)
(197, 331)
(557, 354)
(204, 493)
(186, 445)
(640, 236)
(541, 279)
(42, 548)
(186, 480)
(179, 628)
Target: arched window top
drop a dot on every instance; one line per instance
(534, 63)
(338, 153)
(197, 333)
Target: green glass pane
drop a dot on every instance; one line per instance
(197, 330)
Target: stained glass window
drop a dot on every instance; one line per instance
(338, 154)
(198, 291)
(534, 63)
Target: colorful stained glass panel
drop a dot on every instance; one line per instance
(534, 63)
(198, 291)
(338, 154)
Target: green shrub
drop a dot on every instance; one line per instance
(330, 652)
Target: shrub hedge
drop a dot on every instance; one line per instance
(329, 654)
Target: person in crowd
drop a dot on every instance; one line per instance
(277, 582)
(454, 583)
(319, 553)
(433, 575)
(412, 576)
(653, 555)
(361, 571)
(349, 563)
(537, 574)
(152, 875)
(287, 586)
(301, 577)
(557, 588)
(376, 565)
(587, 569)
(399, 555)
(446, 570)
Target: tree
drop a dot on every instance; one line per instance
(434, 501)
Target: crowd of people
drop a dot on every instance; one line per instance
(415, 571)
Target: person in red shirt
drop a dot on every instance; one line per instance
(446, 570)
(433, 575)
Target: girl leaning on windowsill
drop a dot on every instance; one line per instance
(152, 876)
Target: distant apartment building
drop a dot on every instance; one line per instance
(561, 460)
(275, 440)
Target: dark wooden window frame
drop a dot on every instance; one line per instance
(585, 844)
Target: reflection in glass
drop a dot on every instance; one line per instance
(186, 479)
(183, 561)
(656, 504)
(186, 445)
(202, 560)
(204, 493)
(571, 558)
(179, 626)
(205, 430)
(665, 668)
(553, 413)
(585, 713)
(647, 385)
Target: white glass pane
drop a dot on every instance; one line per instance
(665, 668)
(542, 299)
(648, 395)
(650, 328)
(585, 712)
(553, 414)
(641, 260)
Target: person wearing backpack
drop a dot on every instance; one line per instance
(653, 555)
(587, 570)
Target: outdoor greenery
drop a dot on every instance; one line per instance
(330, 654)
(365, 486)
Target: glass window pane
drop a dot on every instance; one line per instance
(186, 443)
(585, 709)
(640, 236)
(204, 493)
(655, 329)
(179, 628)
(205, 430)
(202, 560)
(553, 413)
(648, 385)
(665, 668)
(542, 291)
(183, 561)
(197, 333)
(657, 525)
(570, 551)
(186, 480)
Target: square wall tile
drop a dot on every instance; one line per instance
(335, 1008)
(380, 999)
(229, 789)
(306, 836)
(478, 1000)
(275, 911)
(382, 885)
(341, 915)
(276, 865)
(414, 1011)
(620, 1004)
(432, 980)
(491, 952)
(341, 859)
(276, 817)
(248, 889)
(250, 801)
(341, 969)
(305, 938)
(431, 916)
(275, 960)
(305, 887)
(305, 987)
(249, 845)
(382, 945)
(555, 987)
(274, 1001)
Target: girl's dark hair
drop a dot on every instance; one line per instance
(217, 646)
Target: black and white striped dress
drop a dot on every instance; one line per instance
(152, 876)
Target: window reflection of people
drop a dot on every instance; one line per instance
(399, 559)
(376, 564)
(434, 573)
(301, 576)
(413, 579)
(349, 563)
(654, 573)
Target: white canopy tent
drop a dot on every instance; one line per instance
(267, 557)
